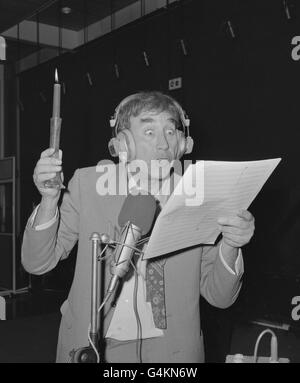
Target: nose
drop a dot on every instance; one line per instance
(162, 142)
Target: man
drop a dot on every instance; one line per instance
(151, 121)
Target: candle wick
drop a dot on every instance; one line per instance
(56, 76)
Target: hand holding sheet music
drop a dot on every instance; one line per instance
(207, 191)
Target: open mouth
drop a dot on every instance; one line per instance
(163, 161)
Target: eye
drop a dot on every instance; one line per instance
(149, 132)
(170, 132)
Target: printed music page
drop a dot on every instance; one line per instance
(207, 190)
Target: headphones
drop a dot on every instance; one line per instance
(122, 144)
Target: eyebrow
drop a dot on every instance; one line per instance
(147, 119)
(150, 119)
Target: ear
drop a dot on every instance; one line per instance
(189, 145)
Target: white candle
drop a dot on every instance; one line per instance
(56, 97)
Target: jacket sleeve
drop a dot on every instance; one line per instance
(217, 285)
(43, 249)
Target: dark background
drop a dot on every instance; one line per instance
(241, 94)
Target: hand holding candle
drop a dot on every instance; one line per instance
(55, 125)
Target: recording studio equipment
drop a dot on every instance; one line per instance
(88, 354)
(273, 358)
(136, 218)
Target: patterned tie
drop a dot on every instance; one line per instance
(155, 288)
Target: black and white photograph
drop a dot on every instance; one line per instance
(149, 184)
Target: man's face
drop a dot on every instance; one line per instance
(156, 141)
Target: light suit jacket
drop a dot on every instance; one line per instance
(188, 273)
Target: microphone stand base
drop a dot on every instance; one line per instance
(83, 355)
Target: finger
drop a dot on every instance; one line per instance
(233, 238)
(231, 243)
(245, 214)
(47, 169)
(49, 160)
(232, 230)
(233, 221)
(60, 153)
(44, 177)
(47, 153)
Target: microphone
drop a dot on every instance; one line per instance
(135, 218)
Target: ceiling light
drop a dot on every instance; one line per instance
(66, 10)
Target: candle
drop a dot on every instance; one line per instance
(55, 125)
(56, 97)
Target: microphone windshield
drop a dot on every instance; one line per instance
(138, 210)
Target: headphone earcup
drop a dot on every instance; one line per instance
(123, 146)
(113, 147)
(184, 144)
(189, 145)
(181, 145)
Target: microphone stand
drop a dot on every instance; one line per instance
(88, 354)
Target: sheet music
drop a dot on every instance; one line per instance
(208, 190)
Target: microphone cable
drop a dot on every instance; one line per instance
(274, 346)
(139, 337)
(137, 318)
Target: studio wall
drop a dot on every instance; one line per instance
(241, 93)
